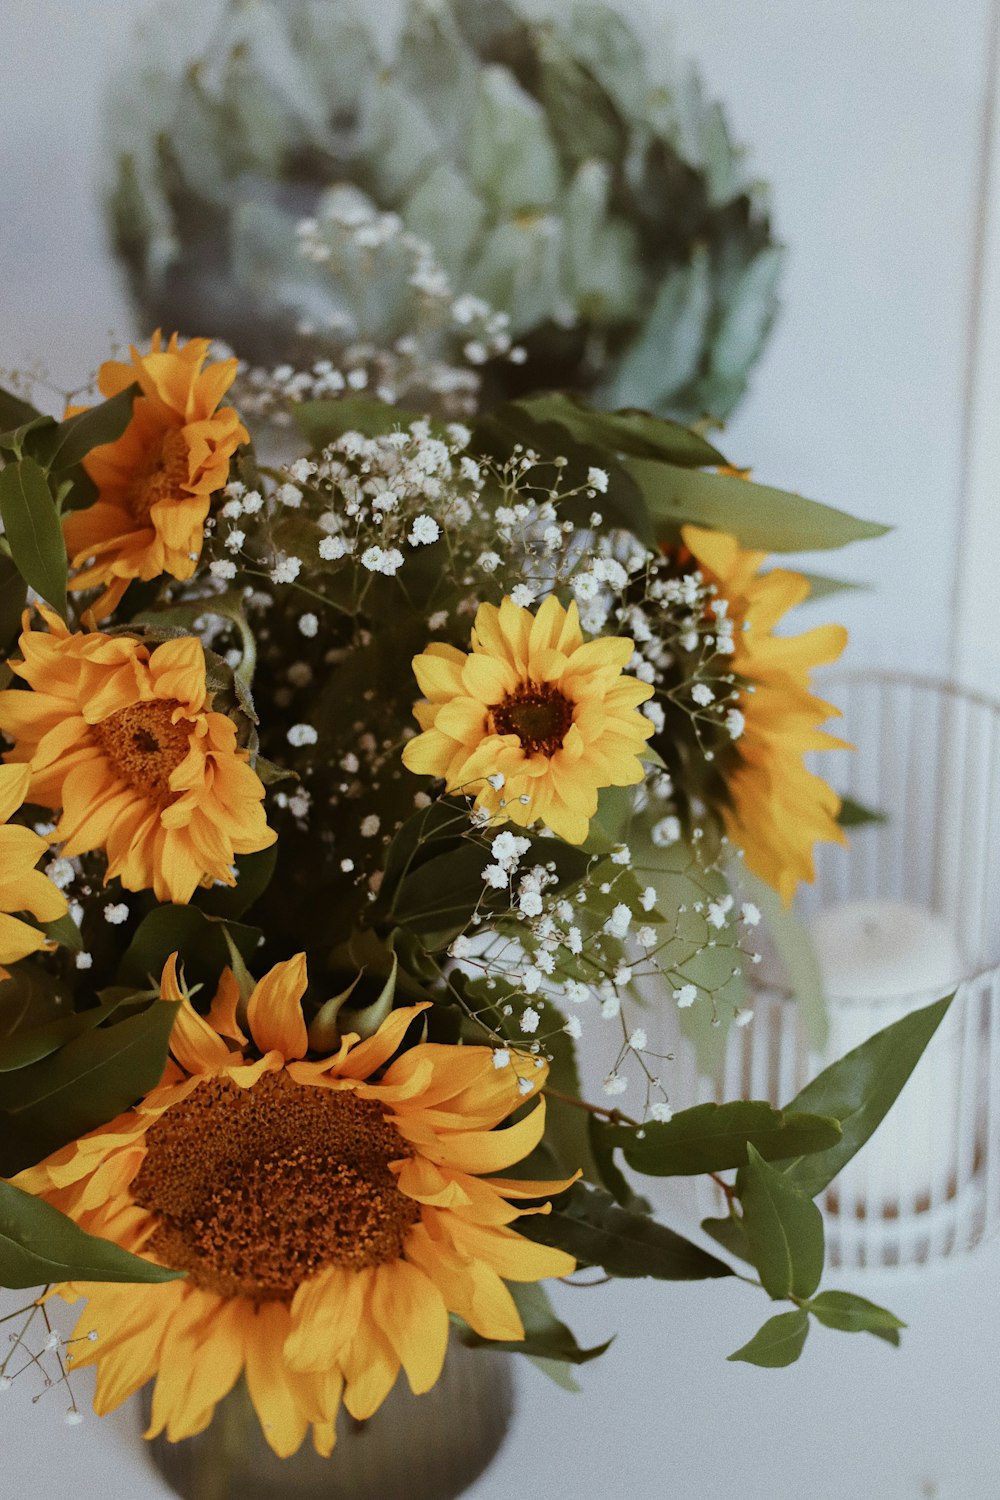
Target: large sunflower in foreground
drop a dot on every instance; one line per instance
(328, 1223)
(22, 887)
(779, 809)
(156, 481)
(122, 739)
(535, 720)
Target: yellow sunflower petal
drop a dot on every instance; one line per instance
(274, 1011)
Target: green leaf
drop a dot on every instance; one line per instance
(65, 932)
(544, 1335)
(629, 431)
(849, 1313)
(15, 440)
(73, 439)
(757, 515)
(254, 873)
(587, 1223)
(33, 531)
(13, 597)
(31, 1045)
(89, 1081)
(198, 937)
(783, 1227)
(728, 1232)
(821, 587)
(778, 1343)
(39, 1245)
(714, 1137)
(859, 1089)
(557, 1372)
(855, 815)
(15, 411)
(323, 422)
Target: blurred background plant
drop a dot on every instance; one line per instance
(522, 190)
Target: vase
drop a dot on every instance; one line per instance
(926, 1187)
(429, 1447)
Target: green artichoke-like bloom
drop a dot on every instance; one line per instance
(551, 177)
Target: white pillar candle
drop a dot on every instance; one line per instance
(880, 960)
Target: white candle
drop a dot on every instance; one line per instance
(879, 960)
(881, 950)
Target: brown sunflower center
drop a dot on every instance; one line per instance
(257, 1189)
(161, 477)
(144, 745)
(538, 714)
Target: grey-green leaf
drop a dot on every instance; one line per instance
(849, 1313)
(784, 1229)
(545, 1336)
(33, 530)
(778, 1343)
(756, 514)
(587, 1223)
(74, 438)
(859, 1089)
(714, 1137)
(39, 1245)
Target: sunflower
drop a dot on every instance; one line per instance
(779, 809)
(121, 738)
(327, 1223)
(156, 481)
(22, 887)
(534, 721)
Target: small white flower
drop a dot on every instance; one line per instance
(332, 548)
(735, 723)
(661, 1112)
(308, 625)
(666, 832)
(531, 981)
(686, 995)
(619, 921)
(470, 470)
(222, 568)
(573, 1028)
(750, 914)
(497, 780)
(716, 915)
(116, 914)
(702, 694)
(235, 540)
(522, 595)
(653, 711)
(647, 936)
(530, 903)
(623, 974)
(489, 561)
(621, 854)
(577, 991)
(288, 495)
(84, 960)
(370, 826)
(525, 1085)
(638, 1040)
(614, 1084)
(73, 1418)
(743, 1018)
(648, 898)
(302, 469)
(286, 570)
(507, 848)
(597, 479)
(529, 1019)
(611, 1006)
(61, 872)
(496, 877)
(302, 734)
(424, 531)
(501, 1058)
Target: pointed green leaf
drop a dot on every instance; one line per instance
(638, 434)
(544, 1335)
(39, 1245)
(849, 1313)
(778, 1343)
(821, 586)
(65, 932)
(33, 531)
(323, 422)
(14, 441)
(73, 439)
(713, 1137)
(587, 1223)
(366, 1020)
(855, 815)
(33, 1043)
(728, 1232)
(859, 1089)
(757, 515)
(783, 1227)
(13, 597)
(15, 411)
(253, 876)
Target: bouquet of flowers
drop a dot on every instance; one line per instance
(363, 813)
